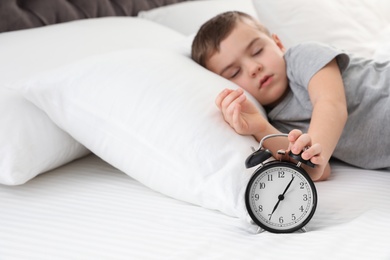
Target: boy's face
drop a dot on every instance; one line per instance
(254, 61)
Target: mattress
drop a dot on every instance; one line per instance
(90, 210)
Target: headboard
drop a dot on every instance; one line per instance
(23, 14)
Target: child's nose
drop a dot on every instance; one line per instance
(255, 68)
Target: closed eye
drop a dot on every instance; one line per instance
(257, 52)
(235, 74)
(231, 72)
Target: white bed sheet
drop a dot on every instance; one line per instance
(90, 210)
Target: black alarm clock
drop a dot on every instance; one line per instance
(280, 196)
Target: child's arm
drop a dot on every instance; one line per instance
(245, 119)
(329, 116)
(243, 116)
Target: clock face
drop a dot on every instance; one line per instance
(280, 197)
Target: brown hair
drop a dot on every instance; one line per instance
(215, 30)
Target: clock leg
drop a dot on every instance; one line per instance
(260, 230)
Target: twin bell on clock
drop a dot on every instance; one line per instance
(280, 196)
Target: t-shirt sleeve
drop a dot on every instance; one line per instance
(306, 59)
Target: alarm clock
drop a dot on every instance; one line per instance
(280, 196)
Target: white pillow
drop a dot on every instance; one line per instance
(26, 52)
(187, 17)
(351, 25)
(29, 141)
(382, 53)
(151, 114)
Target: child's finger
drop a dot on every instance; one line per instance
(293, 135)
(318, 160)
(232, 96)
(236, 117)
(221, 96)
(312, 152)
(233, 106)
(304, 140)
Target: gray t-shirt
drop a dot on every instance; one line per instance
(365, 141)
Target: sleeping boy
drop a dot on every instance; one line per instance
(331, 104)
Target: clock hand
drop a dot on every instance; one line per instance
(276, 206)
(281, 197)
(288, 186)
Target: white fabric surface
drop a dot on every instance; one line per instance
(51, 46)
(181, 18)
(29, 142)
(90, 210)
(355, 26)
(151, 113)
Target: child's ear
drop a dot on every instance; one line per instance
(278, 42)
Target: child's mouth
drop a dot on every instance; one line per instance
(265, 81)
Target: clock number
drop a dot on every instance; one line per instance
(281, 174)
(281, 220)
(301, 208)
(304, 197)
(262, 185)
(270, 178)
(302, 185)
(261, 208)
(293, 217)
(257, 196)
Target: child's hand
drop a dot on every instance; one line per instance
(300, 142)
(240, 113)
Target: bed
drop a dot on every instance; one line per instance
(111, 146)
